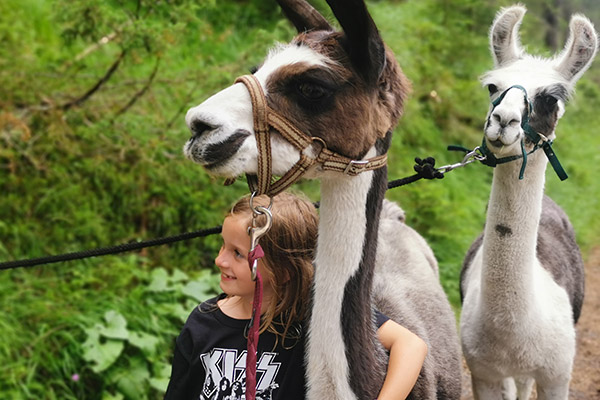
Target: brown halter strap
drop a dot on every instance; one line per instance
(266, 118)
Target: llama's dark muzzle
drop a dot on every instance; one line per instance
(217, 153)
(198, 128)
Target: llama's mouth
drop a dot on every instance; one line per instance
(214, 155)
(496, 143)
(503, 141)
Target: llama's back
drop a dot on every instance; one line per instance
(559, 253)
(407, 289)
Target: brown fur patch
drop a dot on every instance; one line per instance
(357, 114)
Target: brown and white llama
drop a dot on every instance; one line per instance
(343, 90)
(522, 281)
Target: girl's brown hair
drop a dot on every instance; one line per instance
(289, 248)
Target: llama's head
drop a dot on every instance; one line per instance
(343, 88)
(523, 86)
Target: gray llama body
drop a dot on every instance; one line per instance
(407, 289)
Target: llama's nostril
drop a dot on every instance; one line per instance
(199, 127)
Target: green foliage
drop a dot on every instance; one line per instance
(93, 333)
(92, 100)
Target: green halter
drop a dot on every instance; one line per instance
(491, 160)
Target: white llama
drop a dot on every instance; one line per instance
(343, 93)
(522, 280)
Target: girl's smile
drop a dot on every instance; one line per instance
(236, 279)
(226, 277)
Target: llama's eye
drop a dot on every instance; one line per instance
(312, 91)
(545, 103)
(492, 89)
(550, 101)
(253, 69)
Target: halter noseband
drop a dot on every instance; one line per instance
(533, 136)
(266, 118)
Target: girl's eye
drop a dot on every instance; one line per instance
(238, 254)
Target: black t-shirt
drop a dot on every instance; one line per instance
(209, 361)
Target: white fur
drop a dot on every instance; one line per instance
(289, 54)
(342, 227)
(516, 322)
(514, 315)
(230, 110)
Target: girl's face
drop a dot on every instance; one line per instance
(236, 279)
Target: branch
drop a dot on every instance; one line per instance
(103, 41)
(185, 105)
(97, 86)
(141, 92)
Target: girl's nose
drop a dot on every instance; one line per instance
(220, 260)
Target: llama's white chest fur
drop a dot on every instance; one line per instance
(535, 337)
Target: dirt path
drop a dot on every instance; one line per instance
(585, 384)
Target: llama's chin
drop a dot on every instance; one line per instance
(502, 145)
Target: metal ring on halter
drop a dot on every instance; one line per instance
(256, 210)
(256, 232)
(473, 155)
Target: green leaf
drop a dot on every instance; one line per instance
(109, 396)
(197, 290)
(116, 326)
(159, 384)
(144, 341)
(159, 282)
(175, 310)
(134, 381)
(100, 355)
(179, 276)
(160, 378)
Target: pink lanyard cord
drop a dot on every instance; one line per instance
(254, 324)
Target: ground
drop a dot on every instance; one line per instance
(585, 383)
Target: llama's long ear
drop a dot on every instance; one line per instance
(580, 49)
(363, 42)
(303, 15)
(504, 35)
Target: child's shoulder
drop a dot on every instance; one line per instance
(202, 318)
(203, 312)
(210, 305)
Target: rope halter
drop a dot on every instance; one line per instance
(530, 134)
(265, 119)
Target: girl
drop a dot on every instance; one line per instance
(210, 352)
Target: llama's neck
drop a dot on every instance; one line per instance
(510, 236)
(342, 344)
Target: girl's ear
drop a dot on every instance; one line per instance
(504, 35)
(580, 49)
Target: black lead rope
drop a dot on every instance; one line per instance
(424, 169)
(103, 251)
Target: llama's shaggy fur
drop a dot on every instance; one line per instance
(522, 281)
(346, 89)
